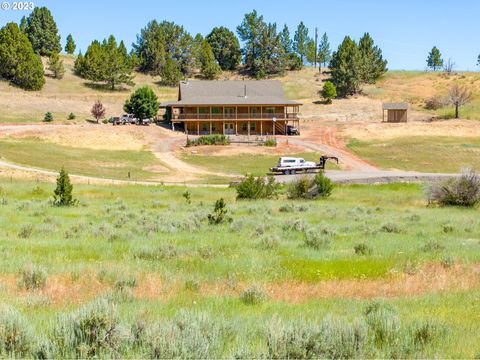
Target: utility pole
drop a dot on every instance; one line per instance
(316, 38)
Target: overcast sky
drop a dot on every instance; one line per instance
(405, 30)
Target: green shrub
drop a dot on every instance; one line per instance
(16, 336)
(460, 191)
(432, 246)
(362, 249)
(257, 188)
(32, 277)
(391, 228)
(25, 231)
(448, 261)
(268, 242)
(192, 285)
(253, 296)
(159, 253)
(71, 116)
(299, 188)
(187, 195)
(187, 336)
(323, 185)
(328, 92)
(426, 332)
(270, 143)
(383, 321)
(92, 331)
(219, 214)
(216, 139)
(48, 117)
(316, 239)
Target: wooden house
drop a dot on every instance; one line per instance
(396, 112)
(232, 107)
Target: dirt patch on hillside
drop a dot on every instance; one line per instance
(283, 148)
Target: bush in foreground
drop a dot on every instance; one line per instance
(257, 188)
(16, 335)
(32, 278)
(461, 191)
(307, 188)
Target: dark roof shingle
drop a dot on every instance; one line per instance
(231, 92)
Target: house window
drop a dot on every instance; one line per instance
(244, 126)
(214, 126)
(252, 126)
(216, 110)
(203, 110)
(204, 127)
(270, 110)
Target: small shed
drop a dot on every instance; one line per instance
(396, 112)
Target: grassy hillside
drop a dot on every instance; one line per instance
(415, 87)
(278, 265)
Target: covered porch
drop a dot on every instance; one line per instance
(237, 127)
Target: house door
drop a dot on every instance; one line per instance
(228, 129)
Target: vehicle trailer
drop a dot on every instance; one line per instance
(288, 166)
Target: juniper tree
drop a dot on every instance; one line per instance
(434, 59)
(70, 45)
(62, 196)
(328, 92)
(55, 65)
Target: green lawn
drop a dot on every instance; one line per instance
(155, 258)
(427, 154)
(114, 164)
(242, 164)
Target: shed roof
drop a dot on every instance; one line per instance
(230, 92)
(395, 106)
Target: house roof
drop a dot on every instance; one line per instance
(230, 92)
(395, 106)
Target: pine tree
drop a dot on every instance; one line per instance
(70, 45)
(48, 117)
(225, 47)
(249, 32)
(18, 63)
(209, 67)
(345, 67)
(311, 51)
(300, 41)
(478, 60)
(372, 64)
(143, 103)
(55, 65)
(63, 194)
(324, 52)
(170, 73)
(98, 110)
(42, 31)
(434, 60)
(328, 92)
(285, 40)
(106, 62)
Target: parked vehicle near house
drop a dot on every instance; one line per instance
(292, 165)
(144, 121)
(128, 119)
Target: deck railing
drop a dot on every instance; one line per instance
(241, 116)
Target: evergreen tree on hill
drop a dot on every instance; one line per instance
(55, 65)
(434, 59)
(70, 45)
(225, 47)
(372, 63)
(324, 52)
(285, 40)
(345, 67)
(209, 67)
(41, 29)
(300, 41)
(18, 63)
